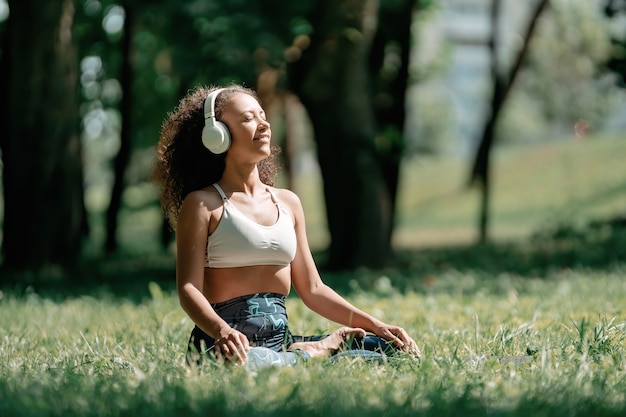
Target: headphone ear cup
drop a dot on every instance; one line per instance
(216, 137)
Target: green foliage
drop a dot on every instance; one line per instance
(616, 11)
(564, 75)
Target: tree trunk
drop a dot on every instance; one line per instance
(394, 28)
(43, 178)
(337, 92)
(123, 156)
(480, 174)
(615, 9)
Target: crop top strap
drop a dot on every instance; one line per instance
(272, 196)
(219, 190)
(223, 195)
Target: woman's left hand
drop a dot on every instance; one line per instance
(400, 338)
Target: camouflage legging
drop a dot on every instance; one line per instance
(263, 319)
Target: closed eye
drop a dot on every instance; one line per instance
(251, 118)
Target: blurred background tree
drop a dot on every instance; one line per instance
(502, 80)
(44, 216)
(352, 76)
(615, 10)
(107, 72)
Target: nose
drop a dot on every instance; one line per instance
(263, 124)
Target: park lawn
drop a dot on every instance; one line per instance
(100, 354)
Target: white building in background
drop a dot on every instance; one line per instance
(460, 29)
(466, 27)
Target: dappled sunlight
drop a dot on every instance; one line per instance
(534, 187)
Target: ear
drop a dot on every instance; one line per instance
(215, 134)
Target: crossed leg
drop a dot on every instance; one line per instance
(330, 344)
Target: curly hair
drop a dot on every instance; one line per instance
(183, 164)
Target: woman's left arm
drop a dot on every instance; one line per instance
(325, 301)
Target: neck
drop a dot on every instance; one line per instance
(241, 180)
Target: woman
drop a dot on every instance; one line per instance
(241, 243)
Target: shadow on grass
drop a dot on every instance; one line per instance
(599, 246)
(596, 246)
(121, 276)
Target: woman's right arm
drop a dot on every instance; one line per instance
(192, 229)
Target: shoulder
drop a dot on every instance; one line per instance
(287, 197)
(289, 200)
(208, 197)
(199, 203)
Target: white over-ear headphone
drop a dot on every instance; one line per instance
(215, 134)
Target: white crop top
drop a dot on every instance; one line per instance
(239, 241)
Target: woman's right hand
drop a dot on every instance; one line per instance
(233, 346)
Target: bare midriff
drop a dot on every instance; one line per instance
(222, 284)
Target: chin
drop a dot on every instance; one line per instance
(266, 148)
(264, 154)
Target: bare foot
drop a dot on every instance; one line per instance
(330, 344)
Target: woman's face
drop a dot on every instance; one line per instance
(250, 131)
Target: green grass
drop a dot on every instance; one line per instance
(553, 282)
(104, 355)
(534, 187)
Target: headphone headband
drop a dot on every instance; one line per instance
(209, 104)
